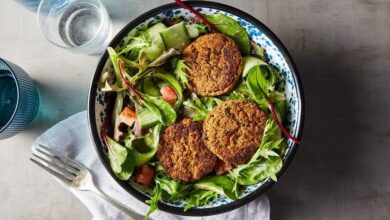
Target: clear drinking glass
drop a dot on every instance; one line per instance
(82, 26)
(19, 99)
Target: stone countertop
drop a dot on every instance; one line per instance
(342, 49)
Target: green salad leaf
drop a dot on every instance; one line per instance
(254, 87)
(107, 82)
(121, 159)
(262, 82)
(165, 113)
(194, 109)
(199, 198)
(257, 51)
(258, 170)
(139, 41)
(118, 106)
(153, 109)
(114, 61)
(197, 108)
(180, 72)
(153, 201)
(250, 62)
(220, 184)
(265, 163)
(164, 57)
(231, 28)
(164, 185)
(145, 147)
(172, 81)
(194, 30)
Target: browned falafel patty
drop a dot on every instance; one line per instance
(233, 130)
(215, 64)
(183, 153)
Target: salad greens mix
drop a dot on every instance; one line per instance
(150, 82)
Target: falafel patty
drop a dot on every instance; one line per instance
(233, 130)
(183, 153)
(215, 64)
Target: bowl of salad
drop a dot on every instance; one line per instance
(196, 108)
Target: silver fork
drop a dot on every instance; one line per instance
(74, 175)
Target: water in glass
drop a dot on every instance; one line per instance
(8, 97)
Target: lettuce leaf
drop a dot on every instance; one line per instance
(198, 108)
(233, 29)
(122, 160)
(220, 184)
(199, 198)
(265, 163)
(180, 72)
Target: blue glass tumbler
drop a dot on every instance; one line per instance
(19, 99)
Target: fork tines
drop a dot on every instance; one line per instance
(53, 162)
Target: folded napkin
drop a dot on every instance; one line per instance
(71, 137)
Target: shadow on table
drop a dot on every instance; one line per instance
(330, 147)
(54, 106)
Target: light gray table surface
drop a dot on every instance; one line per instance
(342, 49)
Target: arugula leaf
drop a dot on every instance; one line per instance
(136, 42)
(210, 102)
(114, 62)
(164, 184)
(180, 73)
(198, 108)
(271, 132)
(170, 186)
(194, 109)
(233, 29)
(107, 82)
(141, 65)
(153, 201)
(235, 95)
(241, 92)
(199, 198)
(219, 184)
(121, 159)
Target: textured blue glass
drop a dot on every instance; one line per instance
(19, 99)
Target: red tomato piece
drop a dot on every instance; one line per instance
(168, 94)
(145, 174)
(128, 116)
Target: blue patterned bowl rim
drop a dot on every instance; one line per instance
(202, 4)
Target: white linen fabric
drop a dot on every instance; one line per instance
(72, 138)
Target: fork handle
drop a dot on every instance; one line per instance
(129, 211)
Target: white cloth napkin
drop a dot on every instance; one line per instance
(71, 137)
